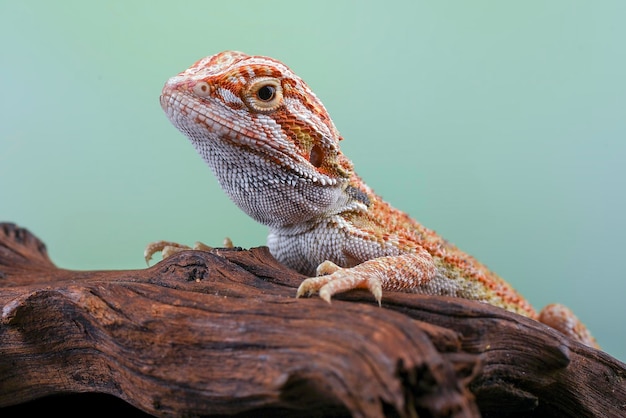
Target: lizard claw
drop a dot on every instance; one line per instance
(314, 284)
(169, 248)
(333, 279)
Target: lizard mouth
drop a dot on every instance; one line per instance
(204, 120)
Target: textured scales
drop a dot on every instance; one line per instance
(275, 151)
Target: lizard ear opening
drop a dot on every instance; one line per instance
(316, 157)
(263, 94)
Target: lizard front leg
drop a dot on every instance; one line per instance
(410, 271)
(400, 272)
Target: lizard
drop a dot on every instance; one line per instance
(275, 151)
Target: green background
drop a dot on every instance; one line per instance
(500, 125)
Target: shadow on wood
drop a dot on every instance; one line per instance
(221, 333)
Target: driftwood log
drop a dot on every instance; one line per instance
(220, 333)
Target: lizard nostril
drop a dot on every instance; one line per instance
(202, 89)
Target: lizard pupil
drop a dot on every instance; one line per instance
(266, 93)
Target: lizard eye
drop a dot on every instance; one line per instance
(264, 94)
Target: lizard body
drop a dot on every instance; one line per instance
(275, 151)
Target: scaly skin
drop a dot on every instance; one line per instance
(275, 151)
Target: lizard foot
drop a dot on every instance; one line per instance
(563, 320)
(332, 279)
(168, 248)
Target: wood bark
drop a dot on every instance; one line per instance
(221, 333)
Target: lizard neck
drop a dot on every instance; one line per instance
(272, 193)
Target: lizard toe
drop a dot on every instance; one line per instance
(312, 285)
(340, 280)
(326, 268)
(166, 248)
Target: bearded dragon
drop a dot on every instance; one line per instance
(275, 151)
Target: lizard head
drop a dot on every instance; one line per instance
(266, 136)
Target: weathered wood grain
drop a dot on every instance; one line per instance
(220, 333)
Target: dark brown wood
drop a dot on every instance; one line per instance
(221, 333)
